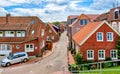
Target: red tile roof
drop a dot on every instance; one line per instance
(92, 16)
(21, 23)
(73, 16)
(85, 32)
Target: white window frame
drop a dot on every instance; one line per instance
(91, 54)
(101, 58)
(112, 52)
(110, 39)
(1, 35)
(53, 37)
(50, 31)
(42, 32)
(42, 43)
(98, 38)
(29, 49)
(22, 34)
(48, 38)
(8, 34)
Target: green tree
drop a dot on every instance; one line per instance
(56, 23)
(78, 58)
(118, 48)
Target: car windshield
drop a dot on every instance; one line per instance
(10, 56)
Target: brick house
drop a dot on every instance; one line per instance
(112, 16)
(62, 27)
(52, 34)
(75, 23)
(96, 41)
(21, 33)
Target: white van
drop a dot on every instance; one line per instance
(15, 58)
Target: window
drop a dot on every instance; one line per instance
(1, 33)
(20, 33)
(83, 22)
(17, 46)
(109, 36)
(9, 33)
(116, 13)
(48, 38)
(99, 36)
(101, 54)
(113, 54)
(53, 37)
(42, 43)
(42, 33)
(33, 31)
(5, 47)
(32, 21)
(90, 55)
(29, 47)
(72, 20)
(50, 31)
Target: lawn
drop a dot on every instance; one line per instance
(112, 70)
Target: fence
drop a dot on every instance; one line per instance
(104, 67)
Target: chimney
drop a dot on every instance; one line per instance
(8, 18)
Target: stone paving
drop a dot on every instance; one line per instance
(55, 62)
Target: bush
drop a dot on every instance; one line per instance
(108, 59)
(78, 58)
(75, 68)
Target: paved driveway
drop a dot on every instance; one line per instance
(56, 62)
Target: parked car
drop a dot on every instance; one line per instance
(15, 58)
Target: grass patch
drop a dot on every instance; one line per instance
(112, 70)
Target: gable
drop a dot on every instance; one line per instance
(83, 16)
(86, 32)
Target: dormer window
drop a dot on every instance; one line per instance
(116, 13)
(83, 21)
(32, 21)
(9, 33)
(72, 20)
(20, 33)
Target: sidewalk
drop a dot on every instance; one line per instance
(47, 53)
(71, 58)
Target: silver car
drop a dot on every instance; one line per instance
(15, 58)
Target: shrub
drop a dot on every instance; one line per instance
(78, 58)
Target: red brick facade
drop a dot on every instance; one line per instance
(33, 28)
(92, 43)
(52, 35)
(86, 42)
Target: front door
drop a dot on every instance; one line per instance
(5, 49)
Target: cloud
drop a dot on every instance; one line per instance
(2, 11)
(54, 10)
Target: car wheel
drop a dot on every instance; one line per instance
(25, 60)
(8, 64)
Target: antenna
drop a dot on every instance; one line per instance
(117, 3)
(113, 5)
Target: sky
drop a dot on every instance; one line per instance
(55, 10)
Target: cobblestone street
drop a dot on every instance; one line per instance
(57, 61)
